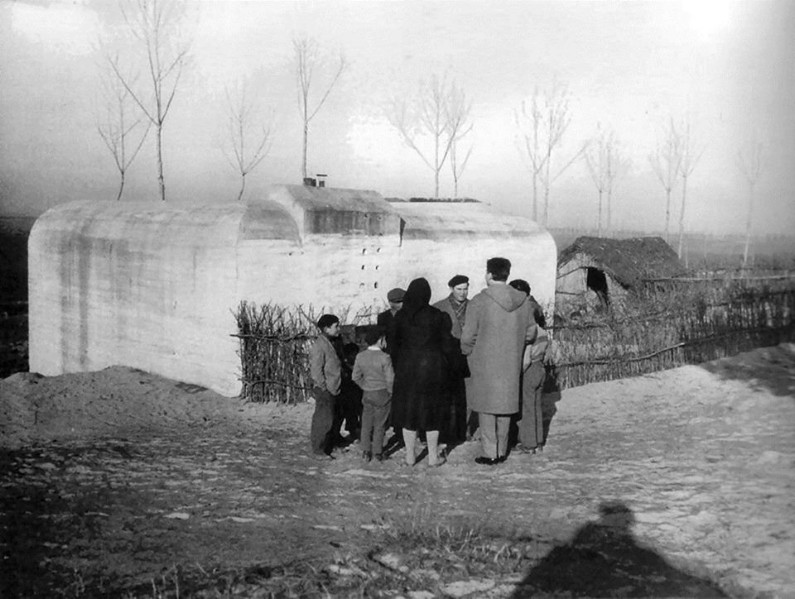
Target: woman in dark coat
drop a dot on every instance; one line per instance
(422, 344)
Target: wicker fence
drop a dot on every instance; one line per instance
(274, 348)
(685, 324)
(688, 324)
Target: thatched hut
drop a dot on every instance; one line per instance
(594, 272)
(154, 285)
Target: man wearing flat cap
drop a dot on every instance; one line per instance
(386, 319)
(455, 306)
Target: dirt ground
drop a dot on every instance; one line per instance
(109, 479)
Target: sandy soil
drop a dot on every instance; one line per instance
(114, 474)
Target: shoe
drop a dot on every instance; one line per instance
(379, 457)
(484, 461)
(439, 462)
(322, 456)
(530, 450)
(367, 456)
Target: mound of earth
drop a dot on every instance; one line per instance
(117, 401)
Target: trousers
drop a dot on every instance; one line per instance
(531, 426)
(375, 413)
(321, 432)
(494, 434)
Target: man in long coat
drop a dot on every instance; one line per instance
(499, 323)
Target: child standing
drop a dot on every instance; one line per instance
(326, 372)
(373, 372)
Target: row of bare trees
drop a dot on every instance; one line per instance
(675, 158)
(156, 47)
(435, 122)
(543, 120)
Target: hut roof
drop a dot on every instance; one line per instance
(628, 261)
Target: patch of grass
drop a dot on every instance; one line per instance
(407, 555)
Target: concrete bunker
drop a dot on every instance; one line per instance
(154, 286)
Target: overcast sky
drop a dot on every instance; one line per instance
(628, 66)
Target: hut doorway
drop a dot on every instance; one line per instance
(597, 282)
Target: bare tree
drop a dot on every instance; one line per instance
(542, 124)
(154, 26)
(750, 162)
(249, 139)
(120, 127)
(618, 164)
(596, 157)
(307, 60)
(439, 114)
(458, 113)
(665, 163)
(606, 164)
(691, 153)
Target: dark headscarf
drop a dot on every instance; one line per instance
(418, 295)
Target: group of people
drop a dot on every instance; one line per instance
(443, 371)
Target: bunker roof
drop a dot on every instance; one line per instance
(163, 224)
(445, 220)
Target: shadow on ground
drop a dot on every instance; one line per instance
(767, 368)
(604, 560)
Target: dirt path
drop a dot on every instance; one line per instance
(111, 477)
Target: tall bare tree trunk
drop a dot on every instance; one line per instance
(438, 167)
(160, 180)
(680, 249)
(667, 213)
(242, 187)
(306, 140)
(609, 224)
(748, 222)
(121, 186)
(599, 221)
(547, 183)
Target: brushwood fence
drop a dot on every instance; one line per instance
(274, 348)
(687, 323)
(690, 322)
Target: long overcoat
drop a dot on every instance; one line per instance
(499, 323)
(422, 351)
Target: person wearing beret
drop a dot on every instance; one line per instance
(455, 306)
(386, 319)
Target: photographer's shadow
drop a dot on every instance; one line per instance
(604, 560)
